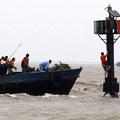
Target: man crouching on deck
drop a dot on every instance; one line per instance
(45, 65)
(104, 63)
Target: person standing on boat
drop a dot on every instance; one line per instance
(25, 63)
(10, 66)
(6, 63)
(2, 65)
(45, 65)
(105, 65)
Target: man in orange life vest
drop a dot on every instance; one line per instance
(24, 63)
(104, 63)
(10, 66)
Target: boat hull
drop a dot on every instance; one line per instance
(57, 82)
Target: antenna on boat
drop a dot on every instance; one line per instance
(20, 44)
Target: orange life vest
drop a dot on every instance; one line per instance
(0, 61)
(10, 62)
(25, 62)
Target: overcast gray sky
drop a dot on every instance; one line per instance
(61, 30)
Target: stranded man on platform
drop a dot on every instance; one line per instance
(44, 65)
(104, 63)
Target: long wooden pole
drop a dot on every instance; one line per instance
(15, 50)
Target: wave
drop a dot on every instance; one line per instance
(15, 95)
(11, 95)
(81, 89)
(72, 96)
(47, 95)
(89, 83)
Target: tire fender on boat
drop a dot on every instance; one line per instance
(56, 79)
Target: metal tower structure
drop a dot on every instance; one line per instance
(108, 28)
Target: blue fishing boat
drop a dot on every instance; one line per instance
(38, 83)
